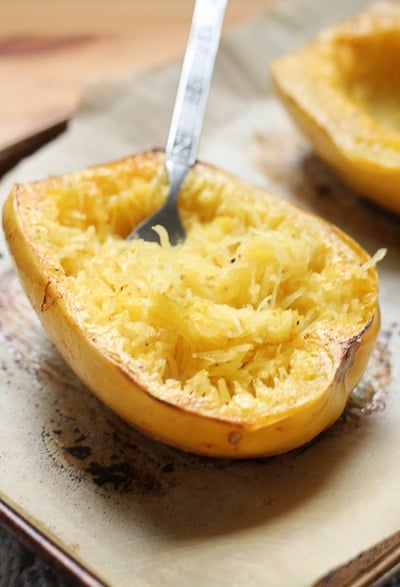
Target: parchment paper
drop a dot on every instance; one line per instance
(141, 514)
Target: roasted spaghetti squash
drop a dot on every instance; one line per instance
(244, 340)
(343, 90)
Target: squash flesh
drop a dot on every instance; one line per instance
(367, 66)
(246, 323)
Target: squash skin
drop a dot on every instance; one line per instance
(181, 427)
(362, 151)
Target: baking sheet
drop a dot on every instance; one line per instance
(138, 513)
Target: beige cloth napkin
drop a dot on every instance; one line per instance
(138, 513)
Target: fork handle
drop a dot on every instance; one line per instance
(195, 81)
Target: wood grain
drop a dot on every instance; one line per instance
(50, 50)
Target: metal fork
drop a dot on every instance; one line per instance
(187, 117)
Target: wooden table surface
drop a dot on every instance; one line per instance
(50, 49)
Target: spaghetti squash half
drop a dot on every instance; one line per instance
(342, 89)
(244, 340)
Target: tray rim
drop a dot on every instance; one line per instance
(44, 547)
